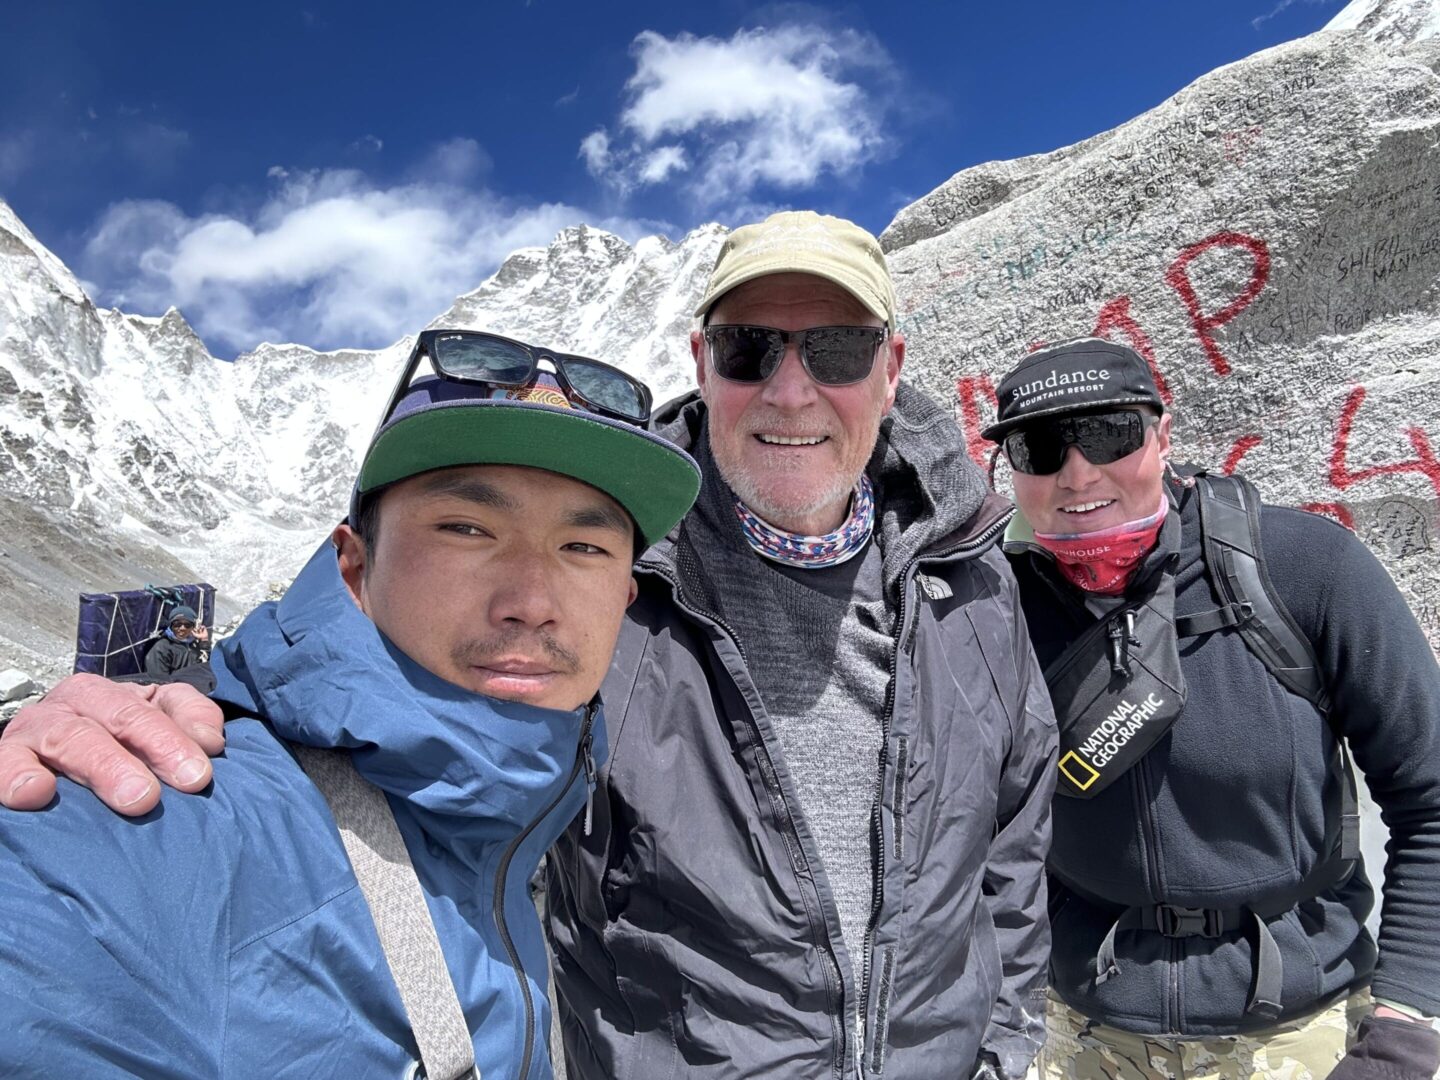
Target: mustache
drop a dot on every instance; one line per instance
(476, 652)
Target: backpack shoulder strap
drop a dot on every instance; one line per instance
(1235, 565)
(397, 905)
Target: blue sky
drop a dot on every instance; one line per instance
(336, 174)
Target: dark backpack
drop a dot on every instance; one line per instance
(1235, 565)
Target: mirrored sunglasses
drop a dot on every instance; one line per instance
(832, 355)
(1038, 448)
(479, 358)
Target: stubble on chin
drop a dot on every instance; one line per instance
(779, 496)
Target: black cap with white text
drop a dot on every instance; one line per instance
(1082, 375)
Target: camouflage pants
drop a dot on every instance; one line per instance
(1306, 1048)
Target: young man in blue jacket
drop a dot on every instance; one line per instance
(1205, 653)
(448, 642)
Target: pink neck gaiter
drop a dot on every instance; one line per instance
(1104, 560)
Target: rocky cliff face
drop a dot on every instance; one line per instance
(1268, 238)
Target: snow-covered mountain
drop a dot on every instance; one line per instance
(1390, 22)
(126, 446)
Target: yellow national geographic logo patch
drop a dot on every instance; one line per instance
(1065, 763)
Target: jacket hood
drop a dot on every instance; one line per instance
(927, 487)
(320, 672)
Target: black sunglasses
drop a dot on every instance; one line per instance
(183, 624)
(1038, 448)
(832, 355)
(477, 357)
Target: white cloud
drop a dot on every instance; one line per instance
(156, 148)
(1280, 6)
(659, 164)
(330, 258)
(456, 161)
(16, 153)
(595, 149)
(775, 108)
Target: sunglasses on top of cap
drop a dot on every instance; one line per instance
(1038, 448)
(832, 355)
(484, 359)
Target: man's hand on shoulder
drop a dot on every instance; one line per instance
(117, 739)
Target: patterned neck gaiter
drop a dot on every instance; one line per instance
(813, 552)
(1103, 561)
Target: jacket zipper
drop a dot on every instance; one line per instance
(1152, 857)
(968, 548)
(587, 749)
(1177, 949)
(1140, 788)
(835, 982)
(585, 761)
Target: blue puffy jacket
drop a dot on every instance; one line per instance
(224, 935)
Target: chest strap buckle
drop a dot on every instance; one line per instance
(1183, 922)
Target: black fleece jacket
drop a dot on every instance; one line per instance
(167, 656)
(1228, 808)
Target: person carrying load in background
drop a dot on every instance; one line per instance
(1209, 658)
(116, 630)
(184, 644)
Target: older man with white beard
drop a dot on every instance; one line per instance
(817, 848)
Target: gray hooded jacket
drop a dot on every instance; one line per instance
(694, 930)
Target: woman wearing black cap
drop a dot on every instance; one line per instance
(1210, 659)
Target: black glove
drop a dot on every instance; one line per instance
(1387, 1049)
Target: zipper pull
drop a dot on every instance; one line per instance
(910, 637)
(1119, 631)
(587, 742)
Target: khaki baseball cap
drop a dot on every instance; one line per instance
(804, 242)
